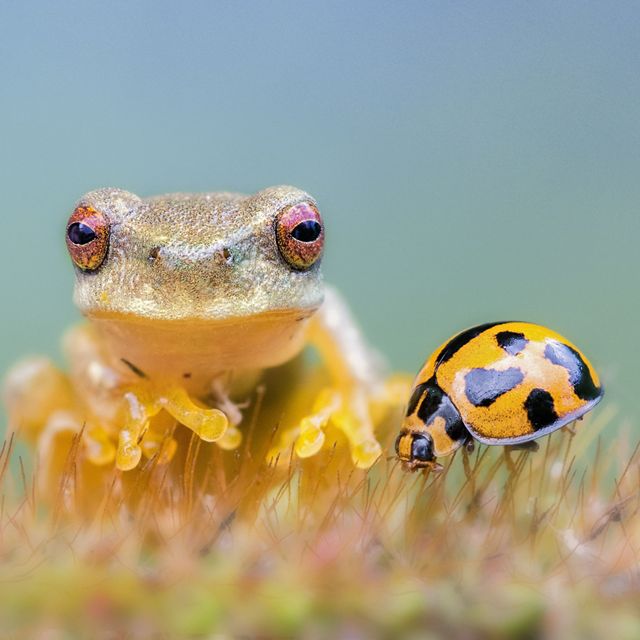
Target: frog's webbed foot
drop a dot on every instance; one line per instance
(145, 433)
(366, 407)
(354, 419)
(354, 411)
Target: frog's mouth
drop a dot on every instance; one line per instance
(187, 320)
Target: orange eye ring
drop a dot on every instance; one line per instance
(87, 237)
(300, 235)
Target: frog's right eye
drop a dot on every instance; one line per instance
(87, 237)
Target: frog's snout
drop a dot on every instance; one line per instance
(174, 258)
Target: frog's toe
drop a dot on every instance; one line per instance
(129, 451)
(209, 424)
(364, 447)
(311, 438)
(231, 439)
(310, 433)
(354, 421)
(366, 453)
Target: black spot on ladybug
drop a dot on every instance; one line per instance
(484, 386)
(437, 404)
(513, 343)
(455, 427)
(579, 374)
(540, 409)
(431, 401)
(455, 344)
(418, 392)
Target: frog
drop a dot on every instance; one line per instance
(189, 298)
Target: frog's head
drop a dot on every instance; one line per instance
(196, 256)
(199, 271)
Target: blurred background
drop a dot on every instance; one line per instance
(473, 161)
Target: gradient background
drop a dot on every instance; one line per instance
(473, 161)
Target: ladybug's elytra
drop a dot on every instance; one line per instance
(501, 383)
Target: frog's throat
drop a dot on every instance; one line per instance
(200, 349)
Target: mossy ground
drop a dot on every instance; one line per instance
(499, 545)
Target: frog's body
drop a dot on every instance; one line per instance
(195, 284)
(189, 298)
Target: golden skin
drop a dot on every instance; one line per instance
(192, 302)
(505, 421)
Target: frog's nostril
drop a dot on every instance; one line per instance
(223, 256)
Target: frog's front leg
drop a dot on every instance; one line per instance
(128, 400)
(359, 386)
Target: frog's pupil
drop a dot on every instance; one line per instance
(421, 449)
(307, 231)
(80, 233)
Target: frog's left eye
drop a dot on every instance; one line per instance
(87, 237)
(300, 235)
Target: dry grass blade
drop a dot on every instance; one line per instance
(498, 544)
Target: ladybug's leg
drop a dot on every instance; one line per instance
(531, 445)
(470, 445)
(571, 428)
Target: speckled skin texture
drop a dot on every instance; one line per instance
(208, 256)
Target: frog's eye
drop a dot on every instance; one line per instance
(87, 237)
(300, 235)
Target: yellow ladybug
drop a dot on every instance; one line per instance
(504, 383)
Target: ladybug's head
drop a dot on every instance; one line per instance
(415, 450)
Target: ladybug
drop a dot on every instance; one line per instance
(501, 383)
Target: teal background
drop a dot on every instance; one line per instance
(473, 161)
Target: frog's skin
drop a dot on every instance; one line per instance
(192, 301)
